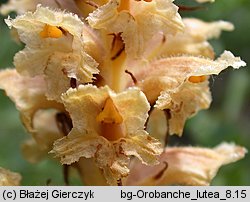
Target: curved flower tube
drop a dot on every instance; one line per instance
(180, 84)
(192, 166)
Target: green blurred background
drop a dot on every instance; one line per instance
(228, 119)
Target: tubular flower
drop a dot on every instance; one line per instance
(22, 6)
(138, 21)
(45, 132)
(8, 178)
(91, 86)
(27, 93)
(186, 166)
(54, 48)
(179, 84)
(35, 111)
(113, 132)
(164, 84)
(192, 41)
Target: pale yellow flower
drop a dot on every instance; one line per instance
(36, 112)
(165, 86)
(22, 6)
(139, 56)
(108, 127)
(8, 178)
(54, 47)
(137, 21)
(27, 93)
(180, 84)
(186, 166)
(192, 41)
(206, 30)
(45, 132)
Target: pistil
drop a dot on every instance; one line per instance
(110, 121)
(51, 32)
(197, 79)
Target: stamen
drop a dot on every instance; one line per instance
(132, 76)
(119, 182)
(163, 39)
(109, 114)
(66, 174)
(73, 83)
(190, 8)
(98, 80)
(118, 53)
(51, 32)
(168, 116)
(64, 123)
(63, 30)
(117, 45)
(149, 113)
(197, 79)
(91, 3)
(113, 41)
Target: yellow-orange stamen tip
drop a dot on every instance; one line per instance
(197, 79)
(109, 114)
(51, 32)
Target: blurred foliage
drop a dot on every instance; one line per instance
(228, 119)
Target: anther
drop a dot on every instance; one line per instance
(119, 52)
(91, 3)
(113, 41)
(73, 83)
(64, 123)
(132, 76)
(189, 8)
